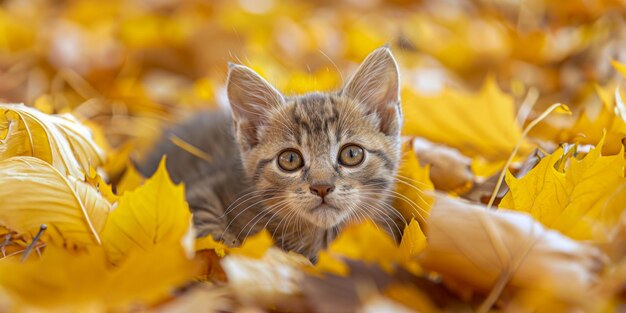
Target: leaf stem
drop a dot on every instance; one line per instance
(32, 245)
(519, 143)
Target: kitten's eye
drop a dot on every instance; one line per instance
(290, 160)
(351, 155)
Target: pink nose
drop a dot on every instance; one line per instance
(321, 190)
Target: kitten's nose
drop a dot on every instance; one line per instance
(321, 190)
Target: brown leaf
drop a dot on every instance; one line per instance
(481, 249)
(449, 169)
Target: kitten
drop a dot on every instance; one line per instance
(301, 166)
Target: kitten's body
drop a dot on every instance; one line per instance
(219, 190)
(244, 187)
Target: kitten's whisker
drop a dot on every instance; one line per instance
(234, 204)
(400, 196)
(411, 180)
(281, 221)
(385, 217)
(274, 211)
(420, 191)
(248, 207)
(414, 206)
(261, 214)
(386, 205)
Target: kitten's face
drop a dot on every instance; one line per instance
(323, 158)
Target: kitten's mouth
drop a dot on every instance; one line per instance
(325, 215)
(323, 207)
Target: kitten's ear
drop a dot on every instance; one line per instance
(251, 97)
(376, 84)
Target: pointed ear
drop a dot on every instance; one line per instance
(251, 97)
(376, 85)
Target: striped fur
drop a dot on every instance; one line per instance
(244, 190)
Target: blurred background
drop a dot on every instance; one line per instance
(128, 67)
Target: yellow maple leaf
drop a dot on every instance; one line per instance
(412, 183)
(572, 200)
(153, 214)
(33, 192)
(60, 140)
(357, 242)
(480, 125)
(64, 281)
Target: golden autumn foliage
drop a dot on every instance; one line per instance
(508, 205)
(571, 195)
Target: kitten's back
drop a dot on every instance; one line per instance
(209, 131)
(212, 185)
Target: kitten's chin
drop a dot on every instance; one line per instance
(324, 216)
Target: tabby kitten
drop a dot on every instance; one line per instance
(300, 166)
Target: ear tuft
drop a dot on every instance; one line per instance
(376, 85)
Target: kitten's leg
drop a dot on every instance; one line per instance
(208, 215)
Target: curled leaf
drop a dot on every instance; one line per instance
(32, 192)
(482, 250)
(60, 140)
(267, 280)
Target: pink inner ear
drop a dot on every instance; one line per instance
(376, 85)
(250, 95)
(376, 82)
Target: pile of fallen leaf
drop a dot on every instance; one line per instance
(512, 174)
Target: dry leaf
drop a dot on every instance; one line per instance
(270, 280)
(482, 249)
(60, 140)
(449, 169)
(368, 243)
(201, 298)
(574, 199)
(153, 214)
(481, 125)
(32, 192)
(356, 242)
(65, 281)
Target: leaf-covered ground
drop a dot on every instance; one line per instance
(512, 173)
